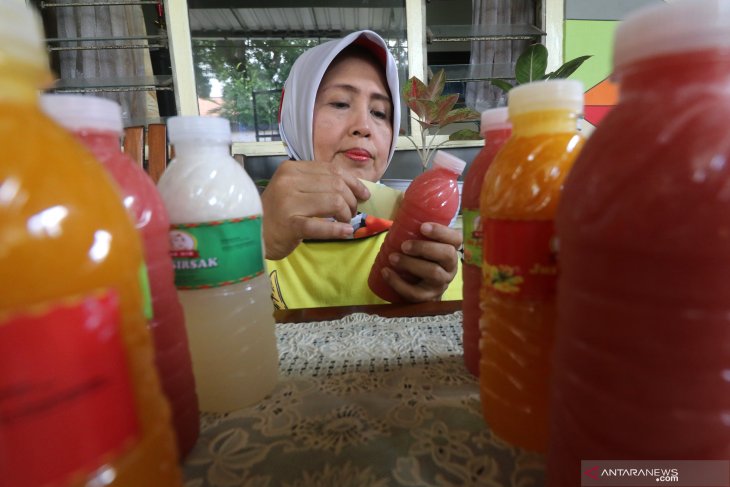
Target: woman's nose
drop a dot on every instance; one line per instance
(361, 123)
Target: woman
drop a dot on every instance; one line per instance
(340, 115)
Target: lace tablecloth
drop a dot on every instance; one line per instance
(363, 401)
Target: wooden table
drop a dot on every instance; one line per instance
(304, 315)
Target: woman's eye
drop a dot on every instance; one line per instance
(339, 104)
(379, 114)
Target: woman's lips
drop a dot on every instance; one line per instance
(358, 155)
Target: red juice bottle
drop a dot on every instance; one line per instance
(495, 129)
(433, 196)
(97, 123)
(641, 359)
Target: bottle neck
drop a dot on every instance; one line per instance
(103, 144)
(673, 73)
(544, 122)
(197, 149)
(496, 137)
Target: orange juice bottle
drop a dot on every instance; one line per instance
(519, 197)
(80, 401)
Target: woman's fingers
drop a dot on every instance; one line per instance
(433, 262)
(302, 200)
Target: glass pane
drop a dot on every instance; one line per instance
(242, 56)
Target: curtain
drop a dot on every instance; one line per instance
(481, 95)
(122, 65)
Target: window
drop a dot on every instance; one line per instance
(241, 51)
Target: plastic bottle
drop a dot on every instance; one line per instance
(81, 403)
(433, 196)
(641, 356)
(97, 123)
(519, 197)
(215, 214)
(496, 129)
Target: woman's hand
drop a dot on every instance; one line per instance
(434, 262)
(300, 201)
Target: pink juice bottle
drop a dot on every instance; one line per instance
(495, 129)
(641, 364)
(97, 123)
(433, 196)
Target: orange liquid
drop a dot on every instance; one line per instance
(523, 184)
(41, 167)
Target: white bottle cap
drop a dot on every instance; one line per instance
(78, 112)
(559, 94)
(495, 119)
(449, 162)
(195, 128)
(21, 34)
(682, 26)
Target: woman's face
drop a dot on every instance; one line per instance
(352, 118)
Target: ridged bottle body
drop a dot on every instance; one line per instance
(641, 355)
(230, 325)
(519, 197)
(172, 355)
(88, 409)
(472, 227)
(433, 196)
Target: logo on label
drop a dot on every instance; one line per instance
(183, 244)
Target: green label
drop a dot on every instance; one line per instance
(144, 284)
(218, 253)
(472, 224)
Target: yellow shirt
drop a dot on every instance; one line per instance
(332, 273)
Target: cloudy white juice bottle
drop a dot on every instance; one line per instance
(216, 220)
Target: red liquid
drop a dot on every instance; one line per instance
(641, 355)
(172, 355)
(433, 196)
(472, 272)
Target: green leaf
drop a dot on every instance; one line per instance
(419, 106)
(501, 84)
(436, 85)
(531, 64)
(444, 104)
(414, 89)
(568, 68)
(461, 115)
(465, 134)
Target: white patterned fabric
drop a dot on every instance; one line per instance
(363, 401)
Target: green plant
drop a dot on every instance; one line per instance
(532, 64)
(434, 111)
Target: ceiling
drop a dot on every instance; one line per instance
(333, 19)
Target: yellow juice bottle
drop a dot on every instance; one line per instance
(80, 402)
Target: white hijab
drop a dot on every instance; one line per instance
(300, 90)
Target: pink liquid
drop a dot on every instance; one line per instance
(433, 196)
(172, 355)
(641, 354)
(471, 273)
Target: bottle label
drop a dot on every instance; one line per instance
(144, 285)
(520, 258)
(472, 224)
(66, 399)
(218, 253)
